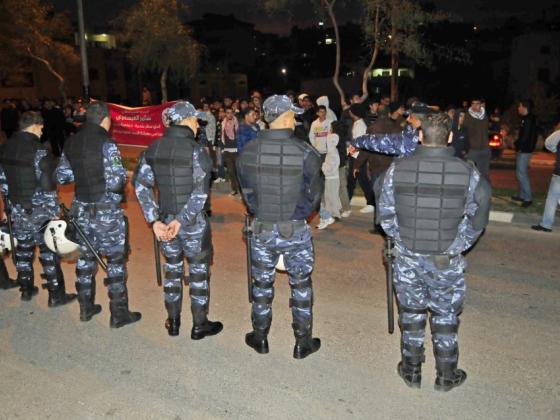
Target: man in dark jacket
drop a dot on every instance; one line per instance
(476, 123)
(524, 147)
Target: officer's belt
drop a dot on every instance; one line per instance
(286, 229)
(93, 208)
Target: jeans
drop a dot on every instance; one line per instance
(551, 202)
(323, 213)
(343, 188)
(521, 171)
(229, 160)
(363, 179)
(481, 158)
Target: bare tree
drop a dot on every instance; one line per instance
(158, 41)
(400, 27)
(326, 6)
(30, 29)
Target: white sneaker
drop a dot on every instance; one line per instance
(324, 223)
(367, 209)
(346, 213)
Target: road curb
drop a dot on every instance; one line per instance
(495, 216)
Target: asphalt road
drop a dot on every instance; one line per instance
(54, 366)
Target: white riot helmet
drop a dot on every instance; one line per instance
(280, 264)
(5, 243)
(57, 239)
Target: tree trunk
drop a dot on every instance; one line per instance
(163, 84)
(329, 5)
(394, 64)
(61, 80)
(374, 53)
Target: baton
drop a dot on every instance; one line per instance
(8, 211)
(158, 258)
(248, 236)
(68, 216)
(389, 256)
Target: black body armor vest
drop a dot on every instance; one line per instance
(171, 158)
(18, 161)
(430, 195)
(277, 173)
(84, 151)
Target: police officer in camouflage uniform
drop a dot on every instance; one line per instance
(180, 170)
(91, 160)
(435, 206)
(281, 185)
(26, 178)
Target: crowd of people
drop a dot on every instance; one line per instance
(231, 123)
(61, 119)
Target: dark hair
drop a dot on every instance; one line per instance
(96, 112)
(527, 103)
(322, 107)
(29, 118)
(338, 127)
(246, 111)
(436, 128)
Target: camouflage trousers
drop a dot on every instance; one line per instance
(195, 243)
(297, 249)
(106, 230)
(426, 285)
(27, 230)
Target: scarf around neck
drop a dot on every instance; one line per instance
(229, 128)
(477, 115)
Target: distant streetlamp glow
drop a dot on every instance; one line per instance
(321, 23)
(329, 41)
(284, 71)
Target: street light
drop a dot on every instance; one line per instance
(284, 71)
(83, 52)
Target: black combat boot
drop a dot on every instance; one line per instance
(57, 290)
(448, 376)
(173, 322)
(5, 281)
(411, 374)
(172, 325)
(28, 290)
(410, 368)
(257, 339)
(86, 298)
(305, 343)
(120, 315)
(201, 326)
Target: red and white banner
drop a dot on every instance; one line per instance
(137, 126)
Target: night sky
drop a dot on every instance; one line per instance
(480, 12)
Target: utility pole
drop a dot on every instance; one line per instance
(83, 52)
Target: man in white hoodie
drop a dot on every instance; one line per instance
(330, 202)
(319, 130)
(324, 101)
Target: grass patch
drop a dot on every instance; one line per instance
(501, 201)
